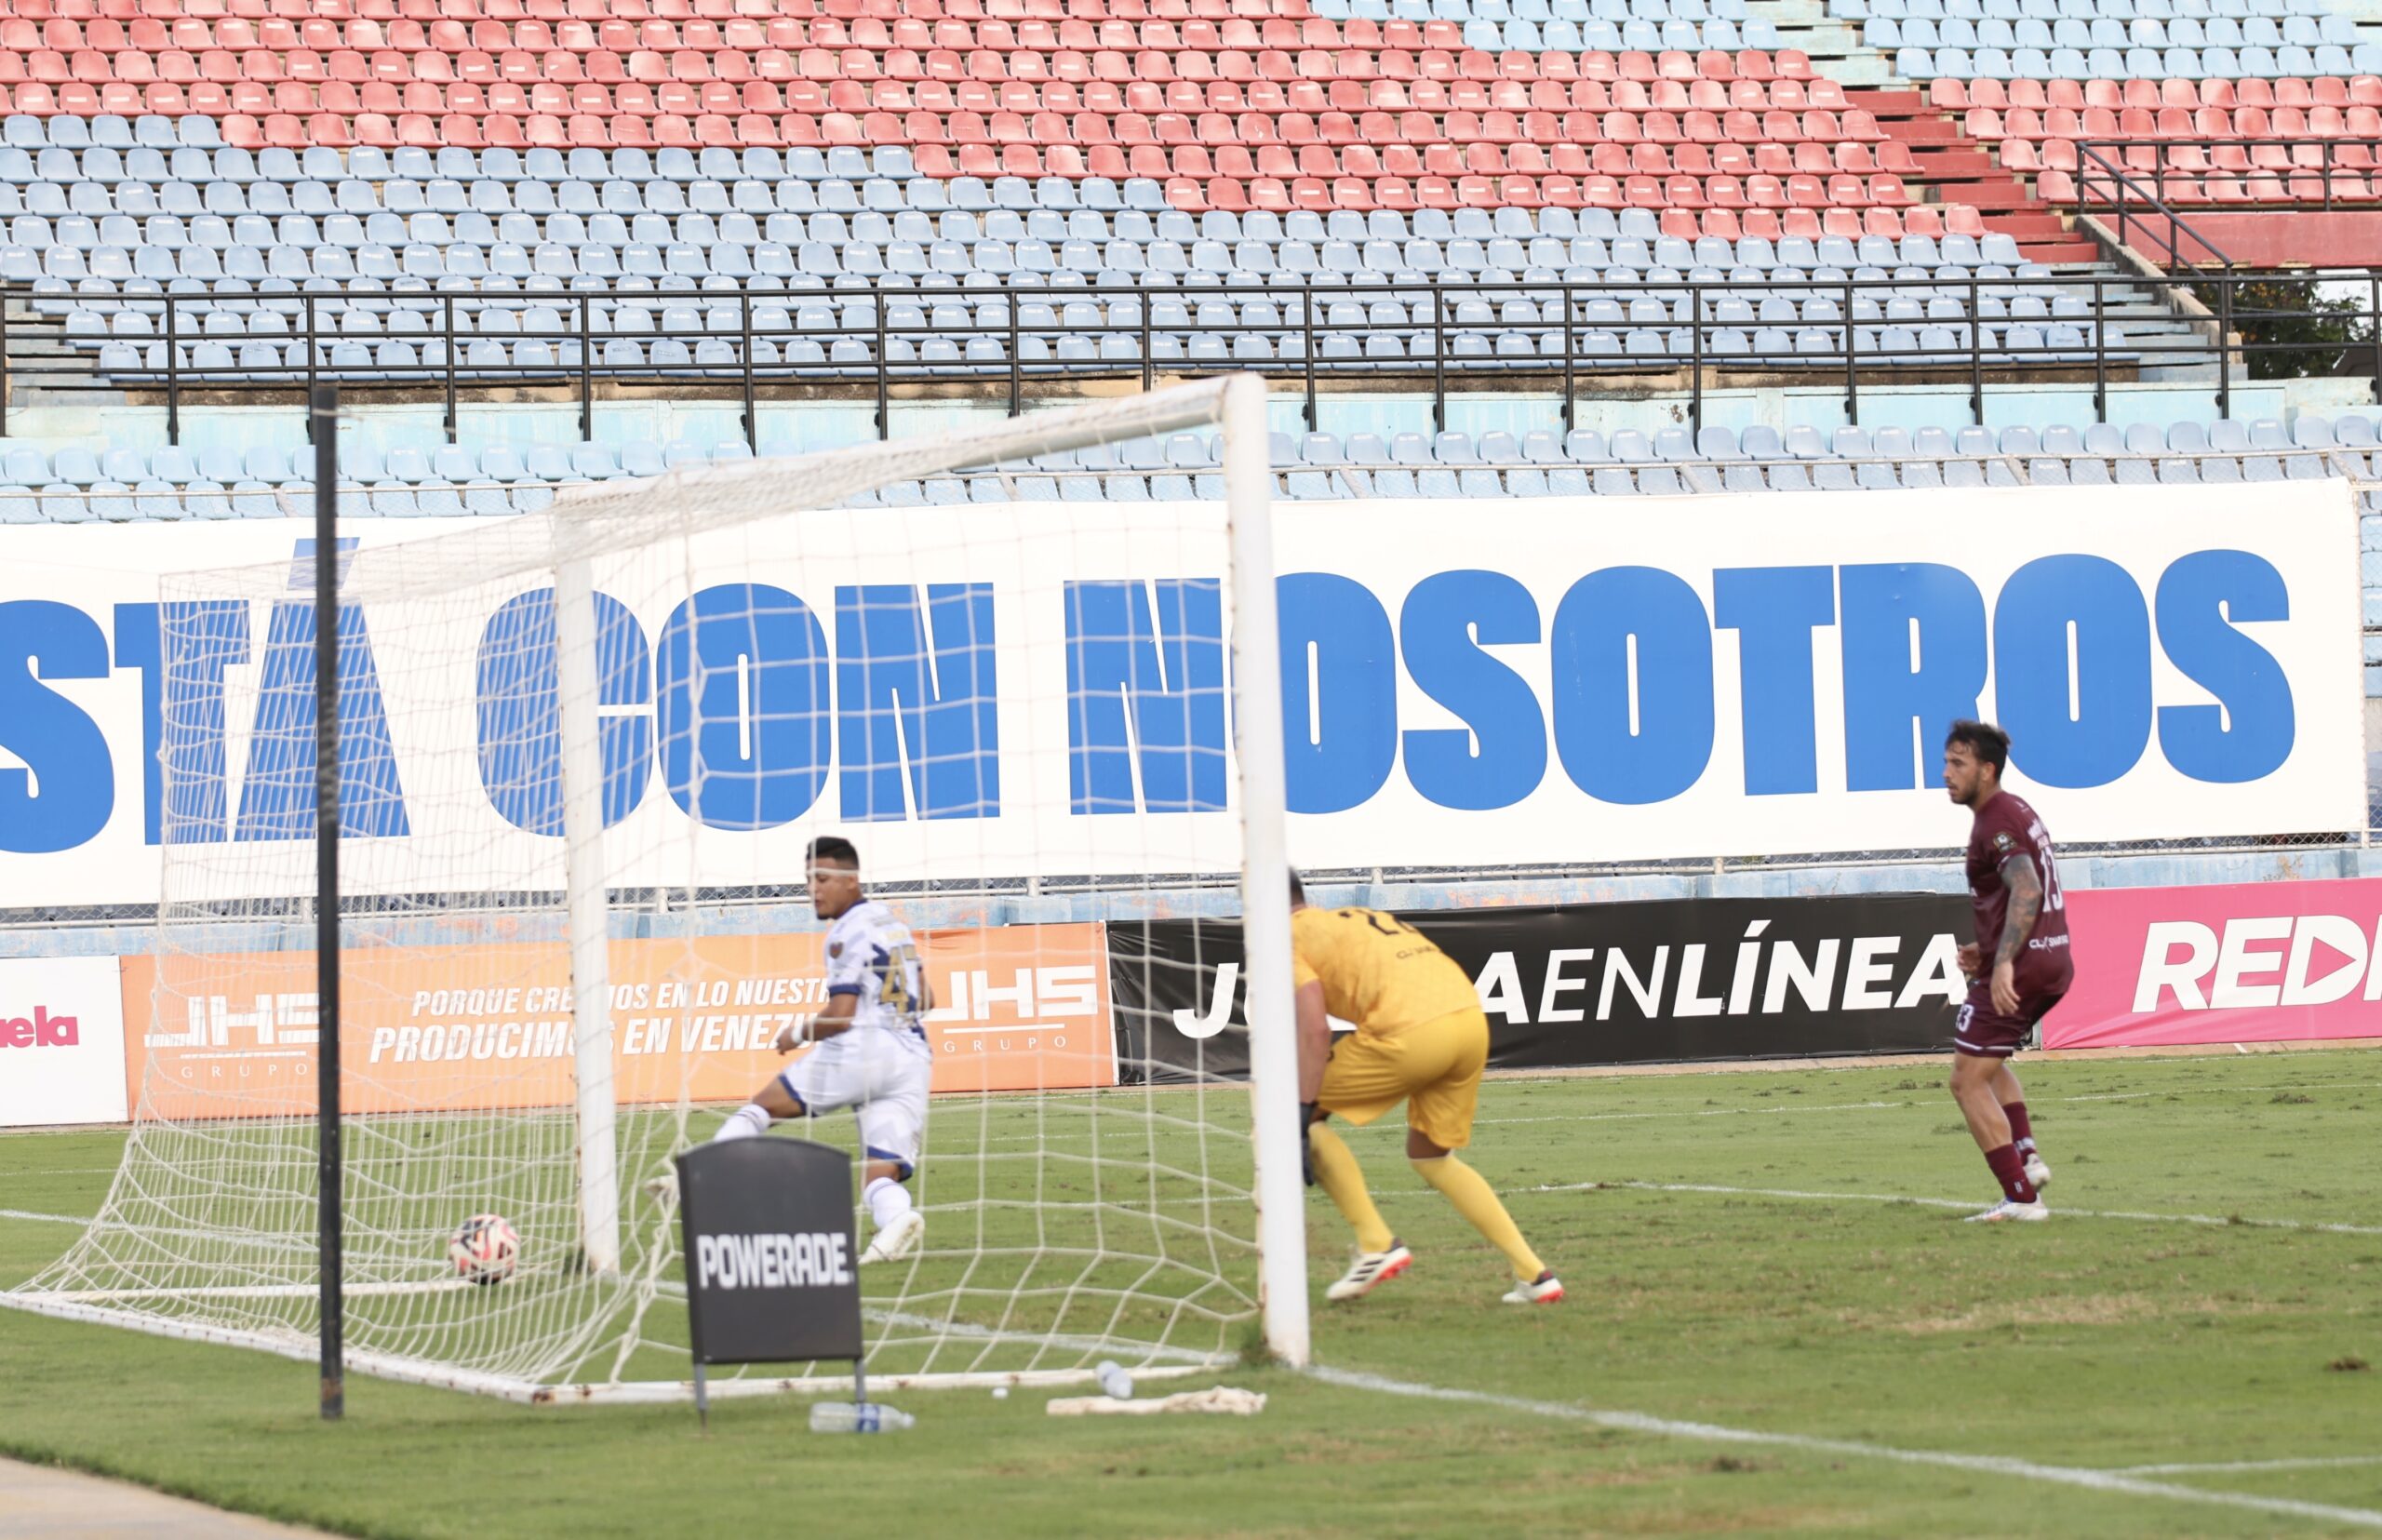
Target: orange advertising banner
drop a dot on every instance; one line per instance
(473, 1027)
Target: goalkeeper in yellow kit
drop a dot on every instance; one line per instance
(1422, 1039)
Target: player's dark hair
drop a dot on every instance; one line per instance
(834, 848)
(1989, 743)
(1298, 889)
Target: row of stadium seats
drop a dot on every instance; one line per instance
(951, 247)
(2081, 10)
(2205, 63)
(2184, 184)
(1482, 51)
(1955, 96)
(2186, 32)
(190, 33)
(2137, 62)
(1678, 220)
(794, 199)
(2142, 123)
(409, 179)
(850, 13)
(44, 82)
(1425, 52)
(2109, 32)
(1916, 303)
(253, 255)
(680, 10)
(1908, 297)
(126, 485)
(24, 466)
(1590, 81)
(799, 113)
(966, 226)
(1339, 351)
(109, 142)
(754, 31)
(977, 114)
(254, 249)
(955, 243)
(972, 111)
(1724, 175)
(2191, 172)
(1785, 185)
(1787, 201)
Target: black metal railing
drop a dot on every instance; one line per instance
(762, 341)
(2312, 174)
(2106, 186)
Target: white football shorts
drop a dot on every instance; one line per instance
(884, 1081)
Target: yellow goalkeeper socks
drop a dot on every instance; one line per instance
(1336, 1168)
(1469, 1191)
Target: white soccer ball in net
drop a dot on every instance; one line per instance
(485, 1249)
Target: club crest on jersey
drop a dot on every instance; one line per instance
(836, 948)
(2002, 841)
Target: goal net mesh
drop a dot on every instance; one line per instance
(1018, 711)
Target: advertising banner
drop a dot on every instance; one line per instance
(61, 1041)
(462, 1028)
(1042, 690)
(1604, 984)
(2254, 962)
(772, 1262)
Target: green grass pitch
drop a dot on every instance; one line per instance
(1737, 1251)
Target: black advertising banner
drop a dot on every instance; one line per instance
(1603, 984)
(771, 1269)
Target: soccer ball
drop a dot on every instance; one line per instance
(485, 1249)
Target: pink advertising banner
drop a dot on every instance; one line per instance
(2256, 962)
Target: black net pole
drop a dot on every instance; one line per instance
(326, 1174)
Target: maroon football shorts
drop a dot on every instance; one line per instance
(1983, 1032)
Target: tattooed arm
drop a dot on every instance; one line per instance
(2026, 888)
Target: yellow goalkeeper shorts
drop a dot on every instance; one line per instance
(1434, 1068)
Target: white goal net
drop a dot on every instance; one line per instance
(581, 755)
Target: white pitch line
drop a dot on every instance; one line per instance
(2220, 1221)
(1985, 1465)
(2220, 1467)
(45, 1218)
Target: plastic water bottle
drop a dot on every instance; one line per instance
(858, 1417)
(1113, 1382)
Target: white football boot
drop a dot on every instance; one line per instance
(896, 1240)
(1546, 1289)
(1371, 1270)
(2008, 1211)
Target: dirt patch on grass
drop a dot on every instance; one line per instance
(2073, 1310)
(1735, 1521)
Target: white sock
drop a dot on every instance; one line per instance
(888, 1200)
(749, 1122)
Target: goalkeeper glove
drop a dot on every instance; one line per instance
(1308, 1117)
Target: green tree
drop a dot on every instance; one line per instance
(2291, 329)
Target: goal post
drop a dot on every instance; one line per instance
(579, 751)
(581, 764)
(1264, 882)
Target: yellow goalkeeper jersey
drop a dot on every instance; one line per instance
(1376, 970)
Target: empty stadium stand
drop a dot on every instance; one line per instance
(121, 484)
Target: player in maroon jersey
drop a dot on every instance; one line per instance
(2018, 966)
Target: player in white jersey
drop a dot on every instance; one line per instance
(871, 1053)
